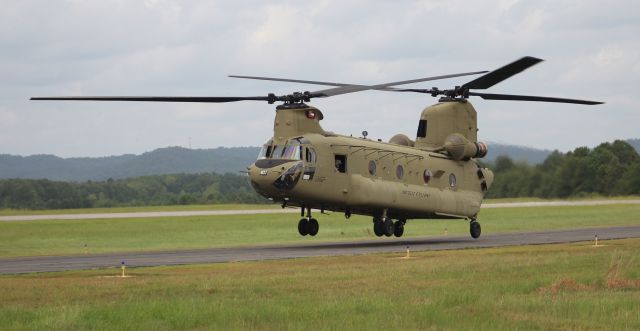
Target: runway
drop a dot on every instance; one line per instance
(311, 249)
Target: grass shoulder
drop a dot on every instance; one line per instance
(63, 237)
(549, 287)
(12, 212)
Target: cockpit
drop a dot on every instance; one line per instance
(293, 149)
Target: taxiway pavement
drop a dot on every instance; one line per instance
(310, 249)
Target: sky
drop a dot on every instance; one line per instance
(188, 48)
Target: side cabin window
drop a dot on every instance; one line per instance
(341, 163)
(310, 155)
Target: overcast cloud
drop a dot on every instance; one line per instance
(164, 47)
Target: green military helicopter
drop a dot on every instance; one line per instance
(435, 176)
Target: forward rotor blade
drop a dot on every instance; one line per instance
(492, 96)
(157, 99)
(500, 74)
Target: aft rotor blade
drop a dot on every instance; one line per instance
(500, 74)
(313, 82)
(357, 88)
(492, 96)
(344, 88)
(157, 99)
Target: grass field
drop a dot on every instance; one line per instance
(11, 212)
(551, 287)
(145, 234)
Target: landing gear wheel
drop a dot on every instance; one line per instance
(377, 227)
(313, 227)
(302, 227)
(387, 227)
(398, 228)
(474, 229)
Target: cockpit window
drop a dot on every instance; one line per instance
(265, 151)
(277, 152)
(292, 152)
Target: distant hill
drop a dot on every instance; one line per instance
(517, 153)
(168, 160)
(635, 143)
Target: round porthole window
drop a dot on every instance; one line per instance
(452, 180)
(426, 176)
(372, 168)
(399, 172)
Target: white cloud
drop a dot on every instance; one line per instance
(165, 47)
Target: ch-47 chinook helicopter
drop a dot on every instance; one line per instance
(435, 176)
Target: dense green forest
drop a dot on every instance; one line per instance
(608, 170)
(141, 191)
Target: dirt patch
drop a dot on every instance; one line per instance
(566, 285)
(612, 280)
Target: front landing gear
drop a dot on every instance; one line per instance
(474, 228)
(308, 225)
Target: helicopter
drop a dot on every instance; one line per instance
(435, 176)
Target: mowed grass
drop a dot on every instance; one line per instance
(57, 237)
(12, 212)
(551, 287)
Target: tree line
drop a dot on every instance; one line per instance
(610, 169)
(178, 189)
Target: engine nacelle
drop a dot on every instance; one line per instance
(460, 147)
(401, 139)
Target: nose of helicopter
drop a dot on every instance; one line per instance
(272, 178)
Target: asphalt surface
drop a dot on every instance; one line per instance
(381, 245)
(287, 210)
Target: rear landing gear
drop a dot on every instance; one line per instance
(474, 228)
(398, 228)
(378, 227)
(387, 227)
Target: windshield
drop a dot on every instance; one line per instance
(289, 152)
(293, 150)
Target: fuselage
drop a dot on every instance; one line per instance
(325, 171)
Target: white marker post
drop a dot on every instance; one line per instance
(123, 266)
